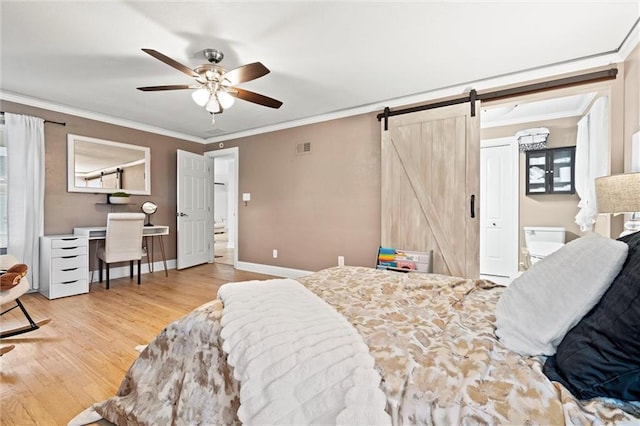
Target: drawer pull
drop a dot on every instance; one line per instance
(70, 239)
(69, 269)
(68, 257)
(68, 248)
(69, 282)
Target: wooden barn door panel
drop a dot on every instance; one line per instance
(430, 168)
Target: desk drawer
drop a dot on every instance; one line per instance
(68, 251)
(60, 263)
(68, 274)
(68, 288)
(68, 242)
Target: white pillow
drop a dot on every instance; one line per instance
(536, 311)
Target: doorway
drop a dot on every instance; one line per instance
(225, 196)
(559, 112)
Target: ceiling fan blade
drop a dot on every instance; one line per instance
(168, 87)
(167, 60)
(246, 73)
(256, 98)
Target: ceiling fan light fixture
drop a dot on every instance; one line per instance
(215, 88)
(213, 106)
(225, 99)
(201, 96)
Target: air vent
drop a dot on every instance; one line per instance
(303, 148)
(215, 132)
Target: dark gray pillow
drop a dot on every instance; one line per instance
(600, 356)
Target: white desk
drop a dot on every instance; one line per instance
(100, 233)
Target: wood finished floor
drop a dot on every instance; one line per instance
(81, 356)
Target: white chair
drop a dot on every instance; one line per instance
(12, 295)
(123, 242)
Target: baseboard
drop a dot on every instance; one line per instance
(500, 280)
(123, 271)
(277, 271)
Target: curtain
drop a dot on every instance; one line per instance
(592, 159)
(25, 194)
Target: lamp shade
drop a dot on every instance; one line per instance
(212, 105)
(618, 193)
(201, 96)
(225, 99)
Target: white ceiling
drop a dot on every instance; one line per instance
(326, 58)
(547, 109)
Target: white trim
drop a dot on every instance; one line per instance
(604, 59)
(632, 40)
(51, 106)
(514, 232)
(635, 152)
(277, 271)
(235, 153)
(158, 268)
(503, 281)
(457, 90)
(579, 111)
(123, 271)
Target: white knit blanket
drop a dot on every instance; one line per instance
(297, 359)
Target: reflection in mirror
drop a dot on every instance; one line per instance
(100, 166)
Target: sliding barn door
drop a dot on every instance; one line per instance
(430, 185)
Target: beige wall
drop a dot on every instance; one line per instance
(65, 210)
(313, 207)
(290, 206)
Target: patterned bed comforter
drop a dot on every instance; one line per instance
(432, 338)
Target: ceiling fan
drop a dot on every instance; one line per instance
(215, 86)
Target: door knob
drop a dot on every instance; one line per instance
(180, 214)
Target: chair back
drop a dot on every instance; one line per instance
(124, 237)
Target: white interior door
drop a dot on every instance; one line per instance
(194, 215)
(498, 202)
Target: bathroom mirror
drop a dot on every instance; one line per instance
(101, 166)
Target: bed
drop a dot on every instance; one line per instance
(433, 340)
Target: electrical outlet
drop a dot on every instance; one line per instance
(275, 253)
(340, 260)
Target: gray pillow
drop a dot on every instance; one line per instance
(544, 303)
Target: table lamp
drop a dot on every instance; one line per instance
(620, 194)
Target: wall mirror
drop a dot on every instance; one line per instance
(101, 166)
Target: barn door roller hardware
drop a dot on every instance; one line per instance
(473, 96)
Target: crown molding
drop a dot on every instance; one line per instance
(491, 83)
(65, 109)
(630, 41)
(619, 55)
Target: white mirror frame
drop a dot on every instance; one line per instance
(145, 153)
